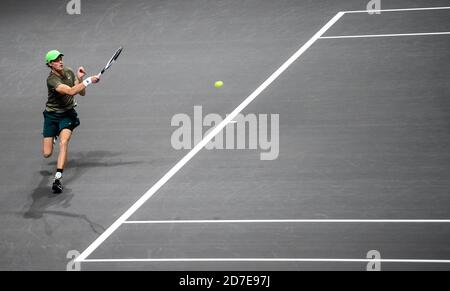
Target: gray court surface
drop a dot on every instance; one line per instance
(364, 135)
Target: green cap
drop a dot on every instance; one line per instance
(52, 55)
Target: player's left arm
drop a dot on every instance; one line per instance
(80, 74)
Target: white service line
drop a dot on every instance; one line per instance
(204, 141)
(394, 10)
(267, 260)
(385, 35)
(290, 221)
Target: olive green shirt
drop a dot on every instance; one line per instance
(60, 102)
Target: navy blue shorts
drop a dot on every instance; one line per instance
(55, 122)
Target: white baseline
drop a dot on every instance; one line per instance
(290, 221)
(397, 10)
(386, 35)
(270, 260)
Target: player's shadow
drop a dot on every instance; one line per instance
(43, 199)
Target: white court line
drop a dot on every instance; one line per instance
(268, 260)
(394, 10)
(290, 221)
(385, 35)
(205, 140)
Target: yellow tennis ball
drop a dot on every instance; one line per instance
(218, 84)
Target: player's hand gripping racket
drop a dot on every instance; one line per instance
(111, 61)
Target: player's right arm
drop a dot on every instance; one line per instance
(72, 91)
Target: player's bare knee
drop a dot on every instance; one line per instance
(63, 142)
(47, 154)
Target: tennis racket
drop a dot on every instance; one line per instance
(112, 60)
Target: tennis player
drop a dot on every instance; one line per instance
(60, 117)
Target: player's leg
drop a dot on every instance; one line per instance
(64, 138)
(47, 147)
(67, 123)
